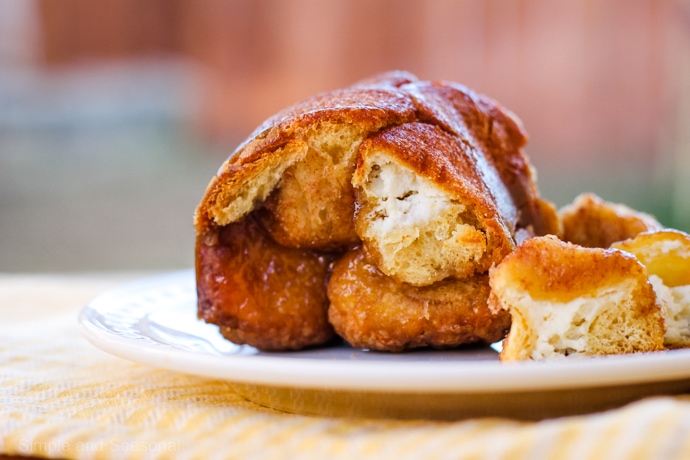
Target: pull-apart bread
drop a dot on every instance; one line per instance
(412, 190)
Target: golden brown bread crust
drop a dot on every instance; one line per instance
(554, 270)
(292, 178)
(261, 293)
(371, 310)
(314, 205)
(592, 222)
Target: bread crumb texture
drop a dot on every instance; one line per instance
(421, 234)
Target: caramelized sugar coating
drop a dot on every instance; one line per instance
(371, 310)
(261, 293)
(592, 222)
(665, 253)
(568, 300)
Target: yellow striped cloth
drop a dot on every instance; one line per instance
(62, 398)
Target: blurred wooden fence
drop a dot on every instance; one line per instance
(586, 76)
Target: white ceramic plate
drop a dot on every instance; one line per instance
(153, 321)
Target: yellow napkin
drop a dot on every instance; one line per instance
(62, 398)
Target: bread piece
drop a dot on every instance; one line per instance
(567, 300)
(592, 222)
(371, 310)
(260, 293)
(666, 254)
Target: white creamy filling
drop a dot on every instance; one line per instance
(404, 200)
(562, 328)
(668, 246)
(675, 303)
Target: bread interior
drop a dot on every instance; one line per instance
(421, 233)
(605, 322)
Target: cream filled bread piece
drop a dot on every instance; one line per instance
(666, 254)
(424, 213)
(567, 300)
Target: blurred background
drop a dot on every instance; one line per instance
(115, 114)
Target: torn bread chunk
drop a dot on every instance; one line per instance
(666, 254)
(567, 300)
(595, 223)
(287, 310)
(313, 204)
(423, 212)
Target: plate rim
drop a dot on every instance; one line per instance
(399, 376)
